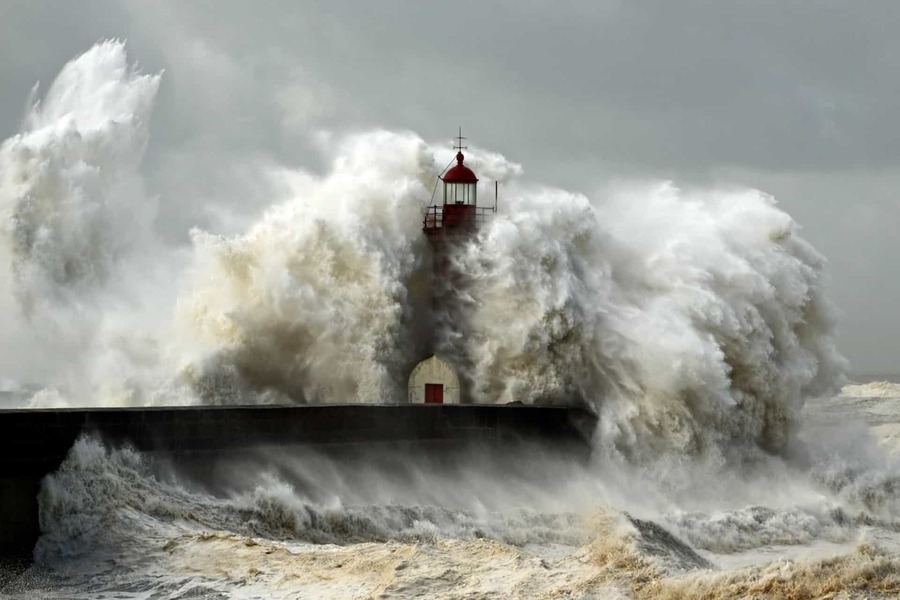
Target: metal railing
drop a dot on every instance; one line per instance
(468, 219)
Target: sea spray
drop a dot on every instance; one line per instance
(79, 257)
(690, 321)
(313, 302)
(693, 323)
(104, 498)
(285, 520)
(71, 193)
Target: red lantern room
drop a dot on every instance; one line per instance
(460, 212)
(460, 183)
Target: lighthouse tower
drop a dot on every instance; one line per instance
(448, 226)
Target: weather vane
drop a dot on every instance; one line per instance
(460, 138)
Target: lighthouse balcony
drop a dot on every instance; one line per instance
(452, 218)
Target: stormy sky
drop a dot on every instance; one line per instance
(798, 99)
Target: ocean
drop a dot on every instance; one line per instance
(283, 523)
(732, 456)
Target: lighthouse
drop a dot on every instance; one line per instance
(448, 226)
(459, 214)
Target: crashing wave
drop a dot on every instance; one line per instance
(691, 322)
(873, 389)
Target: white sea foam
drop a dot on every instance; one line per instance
(295, 521)
(694, 323)
(872, 389)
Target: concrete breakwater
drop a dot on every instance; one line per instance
(33, 443)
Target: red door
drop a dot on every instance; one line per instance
(434, 393)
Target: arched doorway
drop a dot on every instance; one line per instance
(434, 381)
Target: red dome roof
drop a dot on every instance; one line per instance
(460, 173)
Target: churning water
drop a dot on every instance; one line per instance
(694, 323)
(374, 523)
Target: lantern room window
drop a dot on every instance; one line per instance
(460, 184)
(460, 193)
